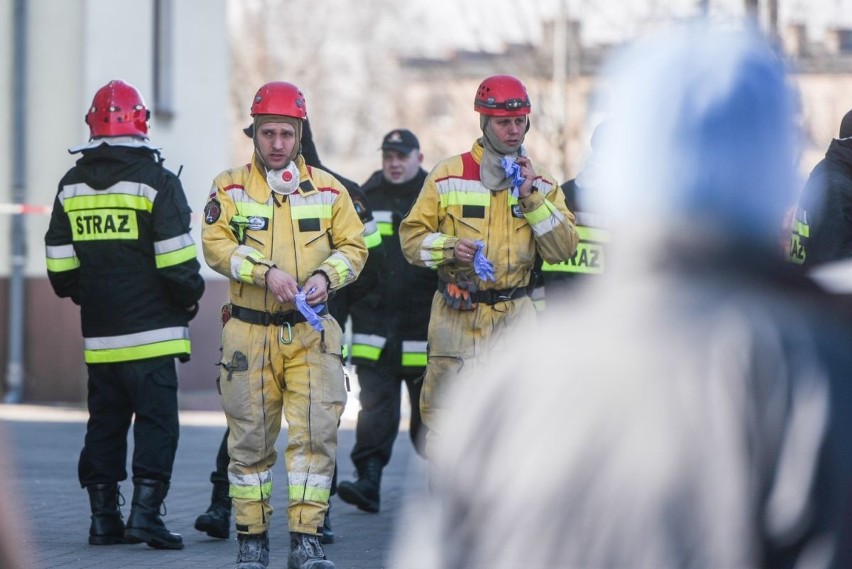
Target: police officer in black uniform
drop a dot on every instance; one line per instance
(389, 325)
(822, 231)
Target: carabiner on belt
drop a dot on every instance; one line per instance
(289, 335)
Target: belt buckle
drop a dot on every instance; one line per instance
(505, 296)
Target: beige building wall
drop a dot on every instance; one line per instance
(825, 98)
(73, 48)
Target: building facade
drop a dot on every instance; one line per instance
(55, 56)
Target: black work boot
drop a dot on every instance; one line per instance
(216, 521)
(327, 532)
(107, 524)
(144, 522)
(306, 552)
(364, 492)
(254, 551)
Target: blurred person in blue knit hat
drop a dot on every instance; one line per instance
(699, 417)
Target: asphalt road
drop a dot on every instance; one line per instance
(51, 511)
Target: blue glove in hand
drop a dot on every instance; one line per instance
(309, 312)
(481, 265)
(513, 172)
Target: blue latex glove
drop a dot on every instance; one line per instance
(513, 172)
(309, 312)
(481, 265)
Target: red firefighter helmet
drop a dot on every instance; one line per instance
(502, 96)
(279, 98)
(117, 110)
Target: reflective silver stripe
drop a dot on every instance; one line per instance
(834, 276)
(238, 259)
(370, 227)
(543, 186)
(124, 187)
(253, 479)
(60, 251)
(549, 222)
(413, 346)
(241, 196)
(318, 205)
(173, 244)
(137, 339)
(310, 480)
(251, 487)
(432, 249)
(590, 219)
(61, 258)
(369, 340)
(342, 266)
(383, 216)
(454, 184)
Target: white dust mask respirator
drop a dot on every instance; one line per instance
(284, 181)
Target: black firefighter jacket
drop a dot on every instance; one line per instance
(822, 230)
(395, 314)
(119, 245)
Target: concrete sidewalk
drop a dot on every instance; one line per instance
(45, 443)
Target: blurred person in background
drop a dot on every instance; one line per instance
(119, 246)
(389, 325)
(822, 227)
(480, 219)
(552, 280)
(700, 415)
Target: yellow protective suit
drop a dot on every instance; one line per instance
(267, 368)
(454, 204)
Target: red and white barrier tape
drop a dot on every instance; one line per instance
(15, 208)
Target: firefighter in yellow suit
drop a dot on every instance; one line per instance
(279, 229)
(469, 198)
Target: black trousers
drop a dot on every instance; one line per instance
(381, 398)
(220, 475)
(146, 389)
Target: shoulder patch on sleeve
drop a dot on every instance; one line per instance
(212, 211)
(360, 207)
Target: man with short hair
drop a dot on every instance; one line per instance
(216, 520)
(389, 325)
(285, 235)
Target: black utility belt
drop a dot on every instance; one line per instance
(493, 296)
(270, 318)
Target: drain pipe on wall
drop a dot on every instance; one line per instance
(16, 297)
